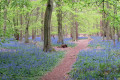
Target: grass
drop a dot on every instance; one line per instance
(98, 64)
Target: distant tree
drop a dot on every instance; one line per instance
(21, 23)
(27, 18)
(42, 23)
(59, 19)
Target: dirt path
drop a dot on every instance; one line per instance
(65, 66)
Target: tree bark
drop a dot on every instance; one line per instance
(73, 29)
(103, 21)
(5, 21)
(21, 23)
(15, 21)
(5, 18)
(33, 34)
(27, 28)
(47, 22)
(76, 23)
(115, 13)
(42, 34)
(107, 25)
(34, 29)
(74, 32)
(118, 34)
(59, 19)
(42, 28)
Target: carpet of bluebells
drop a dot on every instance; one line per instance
(55, 39)
(66, 41)
(100, 62)
(20, 61)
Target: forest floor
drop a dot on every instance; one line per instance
(60, 72)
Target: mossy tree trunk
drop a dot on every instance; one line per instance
(47, 22)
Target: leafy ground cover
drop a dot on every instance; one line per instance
(21, 61)
(98, 64)
(25, 61)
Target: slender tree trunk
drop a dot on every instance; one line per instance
(115, 13)
(107, 25)
(114, 36)
(59, 19)
(71, 34)
(21, 23)
(34, 29)
(42, 28)
(103, 21)
(66, 31)
(16, 34)
(101, 28)
(33, 34)
(5, 21)
(74, 32)
(47, 22)
(118, 34)
(42, 34)
(27, 28)
(76, 23)
(73, 29)
(5, 18)
(111, 33)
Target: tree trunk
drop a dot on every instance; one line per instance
(115, 13)
(76, 23)
(73, 29)
(27, 33)
(118, 34)
(34, 29)
(42, 34)
(16, 34)
(107, 25)
(21, 23)
(103, 21)
(42, 28)
(5, 19)
(71, 34)
(59, 19)
(47, 22)
(74, 32)
(33, 34)
(27, 28)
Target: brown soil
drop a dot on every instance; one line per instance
(61, 71)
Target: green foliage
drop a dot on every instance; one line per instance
(87, 14)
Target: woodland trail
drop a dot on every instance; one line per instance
(65, 66)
